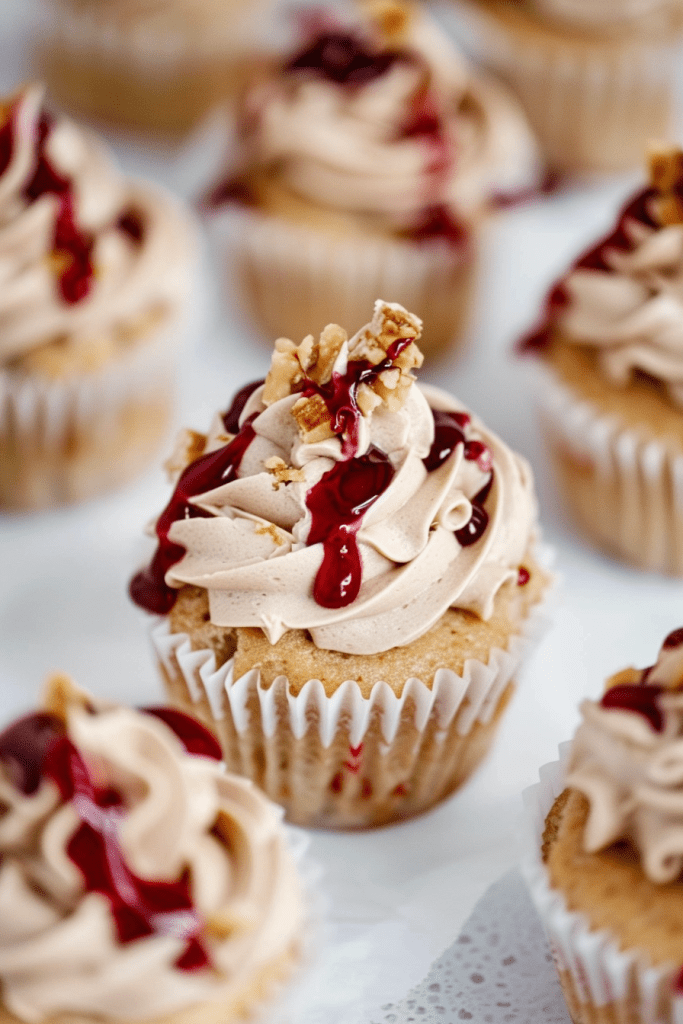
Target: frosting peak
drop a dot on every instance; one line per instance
(627, 759)
(350, 502)
(136, 877)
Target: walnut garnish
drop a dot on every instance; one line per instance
(391, 17)
(391, 324)
(61, 693)
(666, 176)
(189, 446)
(270, 530)
(627, 677)
(283, 473)
(292, 364)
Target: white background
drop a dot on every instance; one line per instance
(398, 895)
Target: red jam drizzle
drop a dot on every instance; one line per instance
(148, 588)
(678, 983)
(194, 736)
(594, 258)
(344, 58)
(449, 432)
(337, 504)
(231, 418)
(36, 748)
(641, 699)
(673, 640)
(523, 576)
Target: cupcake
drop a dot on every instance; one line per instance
(611, 342)
(596, 77)
(368, 162)
(94, 270)
(347, 579)
(138, 881)
(156, 66)
(606, 850)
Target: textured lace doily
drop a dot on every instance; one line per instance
(499, 970)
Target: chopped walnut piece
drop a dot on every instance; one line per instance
(283, 473)
(627, 677)
(189, 446)
(391, 324)
(313, 418)
(666, 176)
(61, 693)
(292, 364)
(270, 530)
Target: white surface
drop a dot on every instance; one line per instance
(398, 895)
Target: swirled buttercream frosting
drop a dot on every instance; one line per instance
(623, 299)
(627, 759)
(86, 256)
(137, 878)
(340, 498)
(384, 121)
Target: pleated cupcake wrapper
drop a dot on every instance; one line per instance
(637, 499)
(601, 974)
(440, 718)
(594, 104)
(86, 29)
(42, 418)
(295, 279)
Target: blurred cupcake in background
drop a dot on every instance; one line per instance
(369, 160)
(596, 77)
(156, 66)
(611, 340)
(95, 269)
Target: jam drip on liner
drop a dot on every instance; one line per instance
(72, 247)
(36, 747)
(337, 503)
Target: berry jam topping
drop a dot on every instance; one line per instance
(337, 504)
(344, 58)
(523, 576)
(131, 224)
(139, 907)
(449, 432)
(195, 737)
(339, 394)
(594, 259)
(678, 983)
(437, 222)
(673, 640)
(23, 746)
(231, 418)
(643, 700)
(36, 748)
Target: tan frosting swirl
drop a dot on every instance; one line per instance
(632, 315)
(58, 948)
(604, 14)
(134, 280)
(351, 148)
(252, 557)
(632, 774)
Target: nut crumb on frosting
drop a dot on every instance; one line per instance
(189, 446)
(666, 177)
(292, 366)
(283, 473)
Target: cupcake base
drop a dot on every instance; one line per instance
(293, 280)
(346, 741)
(618, 456)
(594, 101)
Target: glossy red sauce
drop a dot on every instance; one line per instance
(36, 748)
(641, 699)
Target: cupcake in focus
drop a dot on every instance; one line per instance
(605, 850)
(138, 881)
(596, 77)
(155, 66)
(347, 578)
(368, 161)
(611, 341)
(95, 269)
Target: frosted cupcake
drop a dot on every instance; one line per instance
(94, 270)
(347, 579)
(596, 77)
(138, 881)
(368, 161)
(606, 852)
(157, 66)
(612, 397)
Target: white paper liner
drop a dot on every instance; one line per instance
(594, 103)
(473, 696)
(602, 974)
(636, 505)
(42, 419)
(293, 279)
